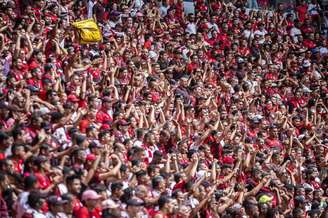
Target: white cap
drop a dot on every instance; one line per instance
(306, 63)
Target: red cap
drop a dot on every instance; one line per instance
(102, 47)
(84, 124)
(91, 157)
(155, 98)
(105, 126)
(73, 98)
(228, 160)
(123, 123)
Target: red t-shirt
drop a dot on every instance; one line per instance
(85, 213)
(301, 12)
(309, 43)
(297, 102)
(191, 67)
(103, 116)
(18, 165)
(274, 143)
(44, 181)
(147, 44)
(77, 205)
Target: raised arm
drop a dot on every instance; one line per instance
(91, 172)
(257, 188)
(114, 171)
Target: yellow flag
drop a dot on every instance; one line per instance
(88, 31)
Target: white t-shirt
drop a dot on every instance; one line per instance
(163, 10)
(316, 75)
(149, 151)
(248, 34)
(62, 188)
(58, 215)
(191, 28)
(90, 8)
(193, 202)
(323, 51)
(21, 205)
(138, 4)
(313, 9)
(137, 143)
(155, 193)
(36, 214)
(61, 137)
(261, 33)
(185, 52)
(213, 25)
(294, 32)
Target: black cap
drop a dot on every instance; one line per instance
(56, 115)
(93, 144)
(67, 197)
(30, 181)
(55, 200)
(135, 202)
(116, 186)
(300, 199)
(100, 188)
(158, 153)
(40, 159)
(206, 184)
(3, 105)
(48, 67)
(79, 139)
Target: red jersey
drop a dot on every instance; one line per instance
(85, 213)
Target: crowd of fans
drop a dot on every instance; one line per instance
(221, 113)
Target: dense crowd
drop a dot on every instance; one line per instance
(220, 113)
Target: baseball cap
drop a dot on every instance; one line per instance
(308, 187)
(135, 202)
(90, 195)
(139, 14)
(306, 63)
(228, 160)
(123, 123)
(95, 144)
(29, 181)
(55, 200)
(40, 159)
(300, 199)
(91, 157)
(48, 67)
(79, 138)
(44, 110)
(109, 204)
(67, 197)
(265, 199)
(99, 187)
(106, 99)
(105, 126)
(73, 98)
